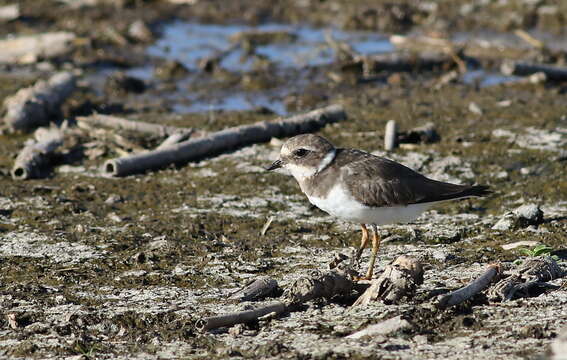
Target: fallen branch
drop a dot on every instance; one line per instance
(224, 140)
(552, 73)
(259, 288)
(36, 155)
(138, 126)
(240, 317)
(31, 107)
(400, 279)
(458, 296)
(31, 48)
(317, 285)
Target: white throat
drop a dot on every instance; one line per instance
(302, 172)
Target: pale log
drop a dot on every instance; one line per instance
(458, 296)
(224, 140)
(118, 123)
(32, 107)
(36, 155)
(256, 289)
(31, 48)
(239, 317)
(552, 73)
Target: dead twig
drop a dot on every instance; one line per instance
(316, 285)
(266, 226)
(255, 290)
(224, 140)
(240, 317)
(552, 73)
(138, 126)
(458, 296)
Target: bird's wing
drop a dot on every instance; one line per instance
(377, 182)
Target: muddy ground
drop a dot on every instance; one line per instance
(99, 267)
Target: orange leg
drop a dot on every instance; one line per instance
(363, 242)
(375, 247)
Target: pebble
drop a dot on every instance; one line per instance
(530, 212)
(521, 217)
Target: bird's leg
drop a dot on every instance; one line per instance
(375, 247)
(363, 243)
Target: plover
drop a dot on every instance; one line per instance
(362, 188)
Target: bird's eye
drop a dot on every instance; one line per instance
(300, 152)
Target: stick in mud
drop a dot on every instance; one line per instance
(458, 296)
(239, 317)
(138, 126)
(552, 73)
(256, 289)
(31, 107)
(224, 140)
(36, 154)
(316, 285)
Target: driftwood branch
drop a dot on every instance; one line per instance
(399, 280)
(239, 317)
(138, 126)
(224, 140)
(31, 48)
(317, 285)
(36, 155)
(259, 288)
(31, 107)
(552, 73)
(458, 296)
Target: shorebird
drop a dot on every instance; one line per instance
(358, 187)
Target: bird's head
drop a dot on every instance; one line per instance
(305, 155)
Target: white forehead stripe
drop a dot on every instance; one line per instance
(326, 160)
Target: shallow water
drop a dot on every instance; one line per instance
(305, 47)
(188, 42)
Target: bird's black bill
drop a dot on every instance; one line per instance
(275, 165)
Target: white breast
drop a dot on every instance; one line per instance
(341, 204)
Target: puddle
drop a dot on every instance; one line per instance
(188, 42)
(486, 78)
(294, 52)
(233, 102)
